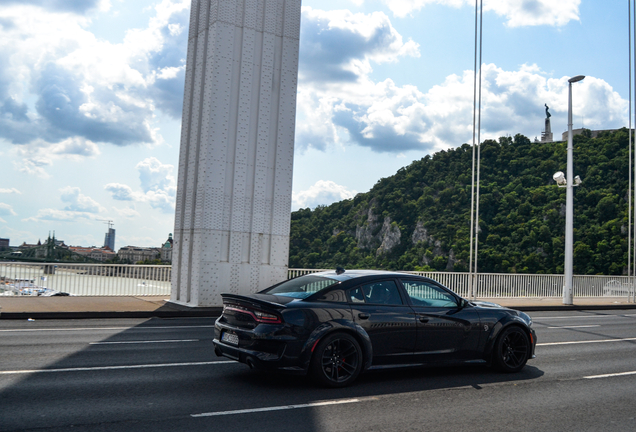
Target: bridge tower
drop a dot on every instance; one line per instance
(237, 147)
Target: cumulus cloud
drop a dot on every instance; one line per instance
(78, 207)
(518, 12)
(337, 51)
(323, 192)
(157, 183)
(77, 202)
(341, 45)
(342, 105)
(75, 6)
(10, 191)
(120, 192)
(86, 91)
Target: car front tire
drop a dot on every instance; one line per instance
(512, 350)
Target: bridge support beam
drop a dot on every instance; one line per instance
(237, 147)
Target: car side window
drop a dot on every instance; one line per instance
(382, 292)
(428, 294)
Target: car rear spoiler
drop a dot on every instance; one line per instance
(254, 302)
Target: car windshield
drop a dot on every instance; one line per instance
(301, 287)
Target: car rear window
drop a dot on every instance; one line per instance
(301, 287)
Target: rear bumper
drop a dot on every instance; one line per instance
(260, 351)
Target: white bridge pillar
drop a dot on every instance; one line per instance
(237, 148)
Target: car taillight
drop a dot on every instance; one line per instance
(259, 316)
(266, 317)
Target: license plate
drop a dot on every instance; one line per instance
(230, 338)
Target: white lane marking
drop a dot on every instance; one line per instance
(610, 375)
(569, 327)
(278, 408)
(143, 342)
(103, 328)
(100, 368)
(586, 342)
(536, 319)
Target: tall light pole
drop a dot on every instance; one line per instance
(569, 204)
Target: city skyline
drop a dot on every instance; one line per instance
(91, 94)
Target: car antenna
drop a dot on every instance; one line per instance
(339, 270)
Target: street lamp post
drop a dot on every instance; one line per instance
(569, 204)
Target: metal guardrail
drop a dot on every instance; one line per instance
(84, 279)
(145, 280)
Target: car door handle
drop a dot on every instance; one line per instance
(423, 319)
(362, 315)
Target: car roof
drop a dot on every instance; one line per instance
(353, 274)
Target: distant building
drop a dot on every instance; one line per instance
(26, 245)
(99, 254)
(4, 244)
(166, 250)
(134, 254)
(593, 133)
(109, 239)
(39, 253)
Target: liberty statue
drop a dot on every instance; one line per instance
(547, 113)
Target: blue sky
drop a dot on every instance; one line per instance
(91, 94)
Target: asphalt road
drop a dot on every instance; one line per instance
(162, 375)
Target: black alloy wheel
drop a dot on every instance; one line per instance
(512, 350)
(337, 360)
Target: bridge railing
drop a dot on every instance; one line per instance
(84, 279)
(493, 285)
(145, 280)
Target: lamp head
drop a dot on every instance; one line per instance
(576, 79)
(559, 178)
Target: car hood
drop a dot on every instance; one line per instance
(486, 304)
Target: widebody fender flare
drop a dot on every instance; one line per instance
(329, 327)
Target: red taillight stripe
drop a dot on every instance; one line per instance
(253, 315)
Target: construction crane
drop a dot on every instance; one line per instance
(109, 222)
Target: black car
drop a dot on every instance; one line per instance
(334, 325)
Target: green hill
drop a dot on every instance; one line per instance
(419, 218)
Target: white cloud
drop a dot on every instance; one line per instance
(157, 182)
(345, 106)
(337, 50)
(9, 191)
(120, 192)
(154, 175)
(87, 90)
(2, 220)
(77, 202)
(518, 12)
(323, 192)
(7, 210)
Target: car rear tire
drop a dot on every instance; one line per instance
(337, 360)
(512, 350)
